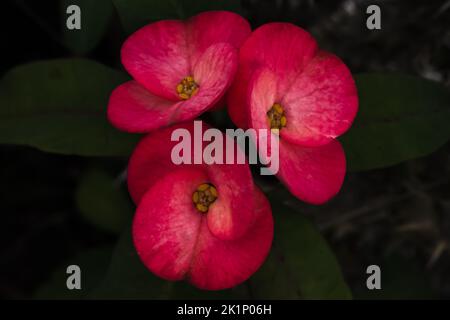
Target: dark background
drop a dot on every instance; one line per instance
(398, 218)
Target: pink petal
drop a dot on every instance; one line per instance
(173, 239)
(151, 160)
(214, 73)
(157, 57)
(231, 215)
(262, 95)
(166, 224)
(321, 103)
(313, 175)
(133, 108)
(237, 102)
(208, 28)
(161, 54)
(224, 264)
(283, 48)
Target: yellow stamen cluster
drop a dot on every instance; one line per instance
(276, 116)
(204, 196)
(187, 88)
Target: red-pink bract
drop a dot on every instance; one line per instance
(280, 63)
(160, 55)
(216, 250)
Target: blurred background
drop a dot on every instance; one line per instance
(63, 207)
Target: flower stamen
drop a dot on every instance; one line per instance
(204, 196)
(276, 117)
(187, 88)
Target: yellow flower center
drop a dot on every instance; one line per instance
(187, 88)
(204, 196)
(276, 117)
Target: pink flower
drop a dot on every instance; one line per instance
(208, 224)
(306, 96)
(180, 70)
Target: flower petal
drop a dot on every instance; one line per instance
(322, 102)
(283, 48)
(166, 224)
(232, 214)
(262, 94)
(157, 57)
(221, 264)
(151, 160)
(214, 73)
(133, 108)
(208, 28)
(313, 175)
(161, 54)
(174, 241)
(237, 106)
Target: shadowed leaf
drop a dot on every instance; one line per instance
(60, 106)
(400, 118)
(137, 13)
(103, 202)
(95, 18)
(300, 264)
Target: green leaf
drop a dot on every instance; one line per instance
(137, 13)
(103, 202)
(92, 263)
(60, 106)
(128, 278)
(300, 264)
(95, 19)
(400, 118)
(190, 8)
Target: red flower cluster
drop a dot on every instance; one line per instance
(209, 224)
